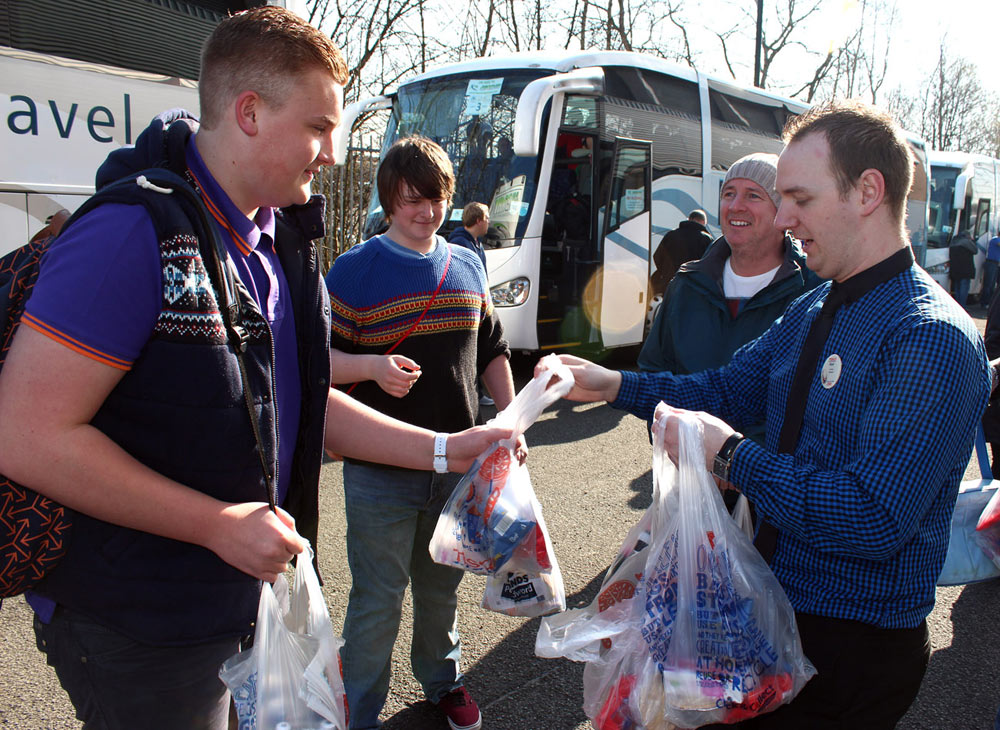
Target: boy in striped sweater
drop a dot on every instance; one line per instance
(414, 328)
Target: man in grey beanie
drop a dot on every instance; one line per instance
(730, 296)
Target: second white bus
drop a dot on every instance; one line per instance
(965, 194)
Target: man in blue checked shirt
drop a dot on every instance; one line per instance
(887, 388)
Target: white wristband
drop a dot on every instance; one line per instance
(441, 453)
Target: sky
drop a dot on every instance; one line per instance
(972, 29)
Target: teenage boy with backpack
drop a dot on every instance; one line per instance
(122, 399)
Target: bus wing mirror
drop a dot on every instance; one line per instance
(961, 184)
(528, 119)
(342, 134)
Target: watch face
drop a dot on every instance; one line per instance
(720, 467)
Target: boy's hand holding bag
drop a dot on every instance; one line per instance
(292, 673)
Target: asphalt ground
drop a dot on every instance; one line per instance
(590, 466)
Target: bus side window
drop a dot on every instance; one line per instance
(741, 126)
(982, 218)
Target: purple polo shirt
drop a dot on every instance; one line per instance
(100, 291)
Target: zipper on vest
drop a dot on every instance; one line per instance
(274, 406)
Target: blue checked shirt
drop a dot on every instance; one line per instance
(863, 506)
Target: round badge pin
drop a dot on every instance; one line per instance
(830, 373)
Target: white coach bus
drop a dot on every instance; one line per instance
(77, 80)
(61, 118)
(965, 194)
(585, 160)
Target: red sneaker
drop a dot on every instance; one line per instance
(462, 711)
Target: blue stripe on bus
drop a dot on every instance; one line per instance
(682, 201)
(677, 198)
(629, 245)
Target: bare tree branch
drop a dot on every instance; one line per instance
(793, 19)
(723, 38)
(673, 17)
(487, 29)
(818, 75)
(512, 25)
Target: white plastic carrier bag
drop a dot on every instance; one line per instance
(690, 626)
(493, 524)
(292, 674)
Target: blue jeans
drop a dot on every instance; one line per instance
(961, 290)
(116, 683)
(391, 515)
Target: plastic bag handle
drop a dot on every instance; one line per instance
(535, 397)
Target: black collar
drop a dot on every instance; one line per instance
(851, 290)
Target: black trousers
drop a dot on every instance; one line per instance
(866, 678)
(116, 683)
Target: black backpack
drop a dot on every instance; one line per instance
(35, 530)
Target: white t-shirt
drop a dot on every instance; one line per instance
(735, 286)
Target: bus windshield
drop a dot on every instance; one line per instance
(472, 117)
(941, 219)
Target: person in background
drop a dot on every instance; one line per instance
(417, 360)
(736, 291)
(962, 265)
(475, 223)
(865, 444)
(505, 152)
(991, 417)
(121, 397)
(53, 225)
(687, 242)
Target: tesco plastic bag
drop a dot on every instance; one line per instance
(492, 523)
(986, 536)
(707, 634)
(292, 674)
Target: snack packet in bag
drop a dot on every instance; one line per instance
(528, 593)
(492, 523)
(708, 635)
(517, 593)
(987, 533)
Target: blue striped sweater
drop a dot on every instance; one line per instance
(378, 290)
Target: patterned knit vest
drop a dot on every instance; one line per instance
(181, 411)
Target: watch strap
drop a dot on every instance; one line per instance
(441, 453)
(723, 461)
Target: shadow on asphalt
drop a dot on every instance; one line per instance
(642, 491)
(961, 682)
(563, 428)
(514, 688)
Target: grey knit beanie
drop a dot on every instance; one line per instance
(761, 168)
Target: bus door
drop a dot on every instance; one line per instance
(624, 280)
(569, 247)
